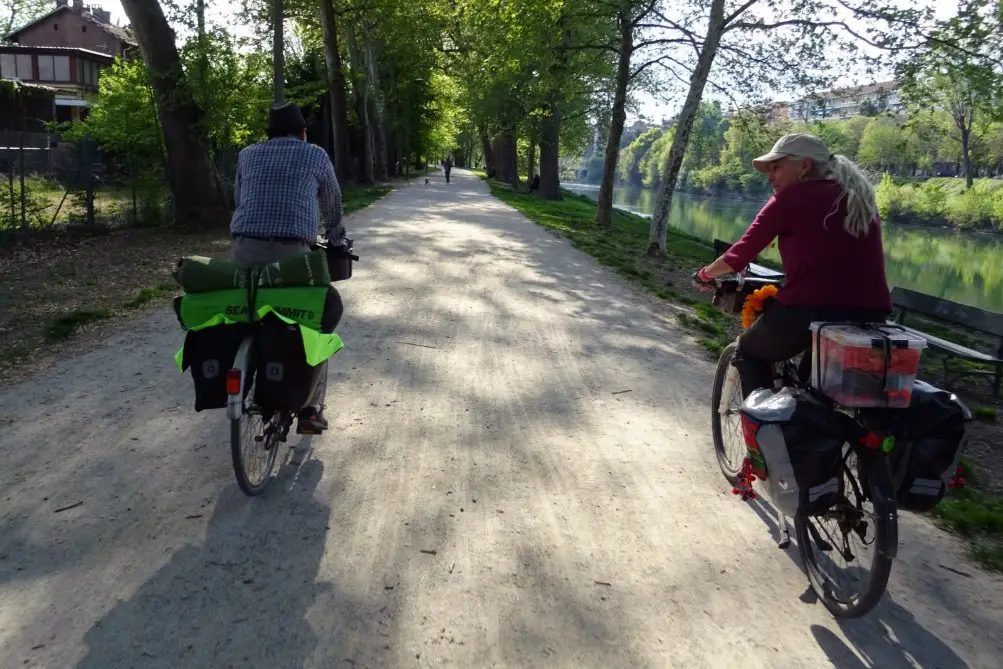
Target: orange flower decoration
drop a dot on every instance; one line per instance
(753, 305)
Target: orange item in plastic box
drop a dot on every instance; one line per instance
(872, 366)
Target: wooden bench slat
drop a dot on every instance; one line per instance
(955, 349)
(946, 310)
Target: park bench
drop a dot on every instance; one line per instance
(907, 301)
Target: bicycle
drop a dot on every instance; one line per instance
(257, 431)
(866, 473)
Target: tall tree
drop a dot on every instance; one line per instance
(336, 92)
(629, 15)
(762, 44)
(959, 72)
(198, 201)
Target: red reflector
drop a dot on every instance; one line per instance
(233, 382)
(749, 430)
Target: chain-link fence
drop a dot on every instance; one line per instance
(50, 183)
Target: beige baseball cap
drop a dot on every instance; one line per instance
(799, 145)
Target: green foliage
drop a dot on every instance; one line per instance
(124, 119)
(937, 200)
(882, 145)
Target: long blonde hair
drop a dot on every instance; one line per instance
(861, 204)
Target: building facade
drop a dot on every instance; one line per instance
(868, 100)
(66, 50)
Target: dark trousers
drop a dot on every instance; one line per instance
(781, 333)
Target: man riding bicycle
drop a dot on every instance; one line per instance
(282, 188)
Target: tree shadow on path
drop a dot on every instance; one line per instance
(240, 598)
(888, 637)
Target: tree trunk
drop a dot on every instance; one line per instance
(375, 107)
(279, 51)
(966, 156)
(198, 202)
(670, 173)
(512, 156)
(360, 89)
(550, 136)
(531, 157)
(604, 207)
(336, 91)
(489, 156)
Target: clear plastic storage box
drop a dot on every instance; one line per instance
(865, 367)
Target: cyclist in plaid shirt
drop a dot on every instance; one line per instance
(283, 187)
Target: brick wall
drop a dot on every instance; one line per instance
(70, 29)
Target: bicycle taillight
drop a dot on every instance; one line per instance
(233, 382)
(750, 428)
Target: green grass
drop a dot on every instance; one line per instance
(354, 198)
(985, 414)
(622, 249)
(147, 295)
(976, 516)
(64, 327)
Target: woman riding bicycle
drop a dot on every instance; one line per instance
(824, 214)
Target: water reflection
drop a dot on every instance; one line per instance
(965, 268)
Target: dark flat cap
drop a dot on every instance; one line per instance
(285, 119)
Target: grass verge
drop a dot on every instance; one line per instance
(354, 198)
(622, 249)
(978, 517)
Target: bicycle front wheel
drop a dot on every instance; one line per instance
(867, 514)
(726, 418)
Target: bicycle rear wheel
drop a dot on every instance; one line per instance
(254, 444)
(725, 421)
(824, 538)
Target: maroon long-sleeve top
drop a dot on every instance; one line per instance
(826, 266)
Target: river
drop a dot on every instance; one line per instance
(962, 267)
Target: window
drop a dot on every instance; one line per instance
(46, 68)
(8, 66)
(24, 67)
(61, 68)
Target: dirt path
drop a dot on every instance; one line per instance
(489, 496)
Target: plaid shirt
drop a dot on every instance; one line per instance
(282, 188)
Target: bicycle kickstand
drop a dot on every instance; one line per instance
(785, 533)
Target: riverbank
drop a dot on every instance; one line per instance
(940, 202)
(58, 291)
(974, 513)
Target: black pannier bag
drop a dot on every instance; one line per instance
(283, 378)
(800, 441)
(935, 426)
(333, 310)
(210, 353)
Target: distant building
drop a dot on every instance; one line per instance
(72, 73)
(76, 26)
(867, 100)
(66, 50)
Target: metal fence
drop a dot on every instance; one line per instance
(49, 183)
